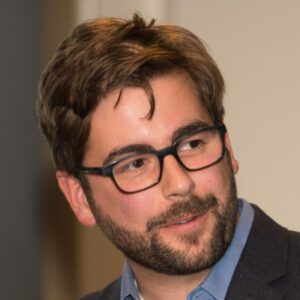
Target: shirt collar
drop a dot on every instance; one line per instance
(129, 289)
(217, 282)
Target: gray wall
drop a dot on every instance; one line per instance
(19, 152)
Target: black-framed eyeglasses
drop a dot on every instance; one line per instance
(137, 172)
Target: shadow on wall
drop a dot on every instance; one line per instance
(76, 260)
(60, 243)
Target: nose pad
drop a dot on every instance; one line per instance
(176, 181)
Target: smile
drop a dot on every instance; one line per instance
(187, 222)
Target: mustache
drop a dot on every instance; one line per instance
(193, 206)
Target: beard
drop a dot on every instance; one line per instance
(150, 249)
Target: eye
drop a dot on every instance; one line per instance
(136, 164)
(191, 144)
(195, 143)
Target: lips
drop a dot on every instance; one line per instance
(184, 220)
(183, 214)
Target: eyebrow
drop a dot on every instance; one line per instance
(186, 129)
(143, 148)
(130, 149)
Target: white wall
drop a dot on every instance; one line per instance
(256, 44)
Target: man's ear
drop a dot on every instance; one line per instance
(234, 162)
(74, 193)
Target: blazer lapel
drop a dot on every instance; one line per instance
(248, 286)
(112, 292)
(263, 261)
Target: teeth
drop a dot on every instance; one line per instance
(182, 222)
(185, 221)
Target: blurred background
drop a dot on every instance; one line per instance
(45, 254)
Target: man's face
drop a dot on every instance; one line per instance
(183, 224)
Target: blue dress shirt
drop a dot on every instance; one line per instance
(216, 284)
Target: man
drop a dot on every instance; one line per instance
(133, 114)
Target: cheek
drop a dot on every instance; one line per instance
(214, 180)
(129, 210)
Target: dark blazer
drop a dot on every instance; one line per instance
(269, 268)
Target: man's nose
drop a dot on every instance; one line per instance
(176, 181)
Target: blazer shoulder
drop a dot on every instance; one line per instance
(295, 238)
(269, 267)
(110, 292)
(294, 252)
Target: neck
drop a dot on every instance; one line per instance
(174, 286)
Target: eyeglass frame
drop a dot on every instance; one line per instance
(107, 171)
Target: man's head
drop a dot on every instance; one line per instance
(109, 54)
(117, 90)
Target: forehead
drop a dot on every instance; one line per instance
(176, 104)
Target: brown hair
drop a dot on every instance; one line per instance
(111, 53)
